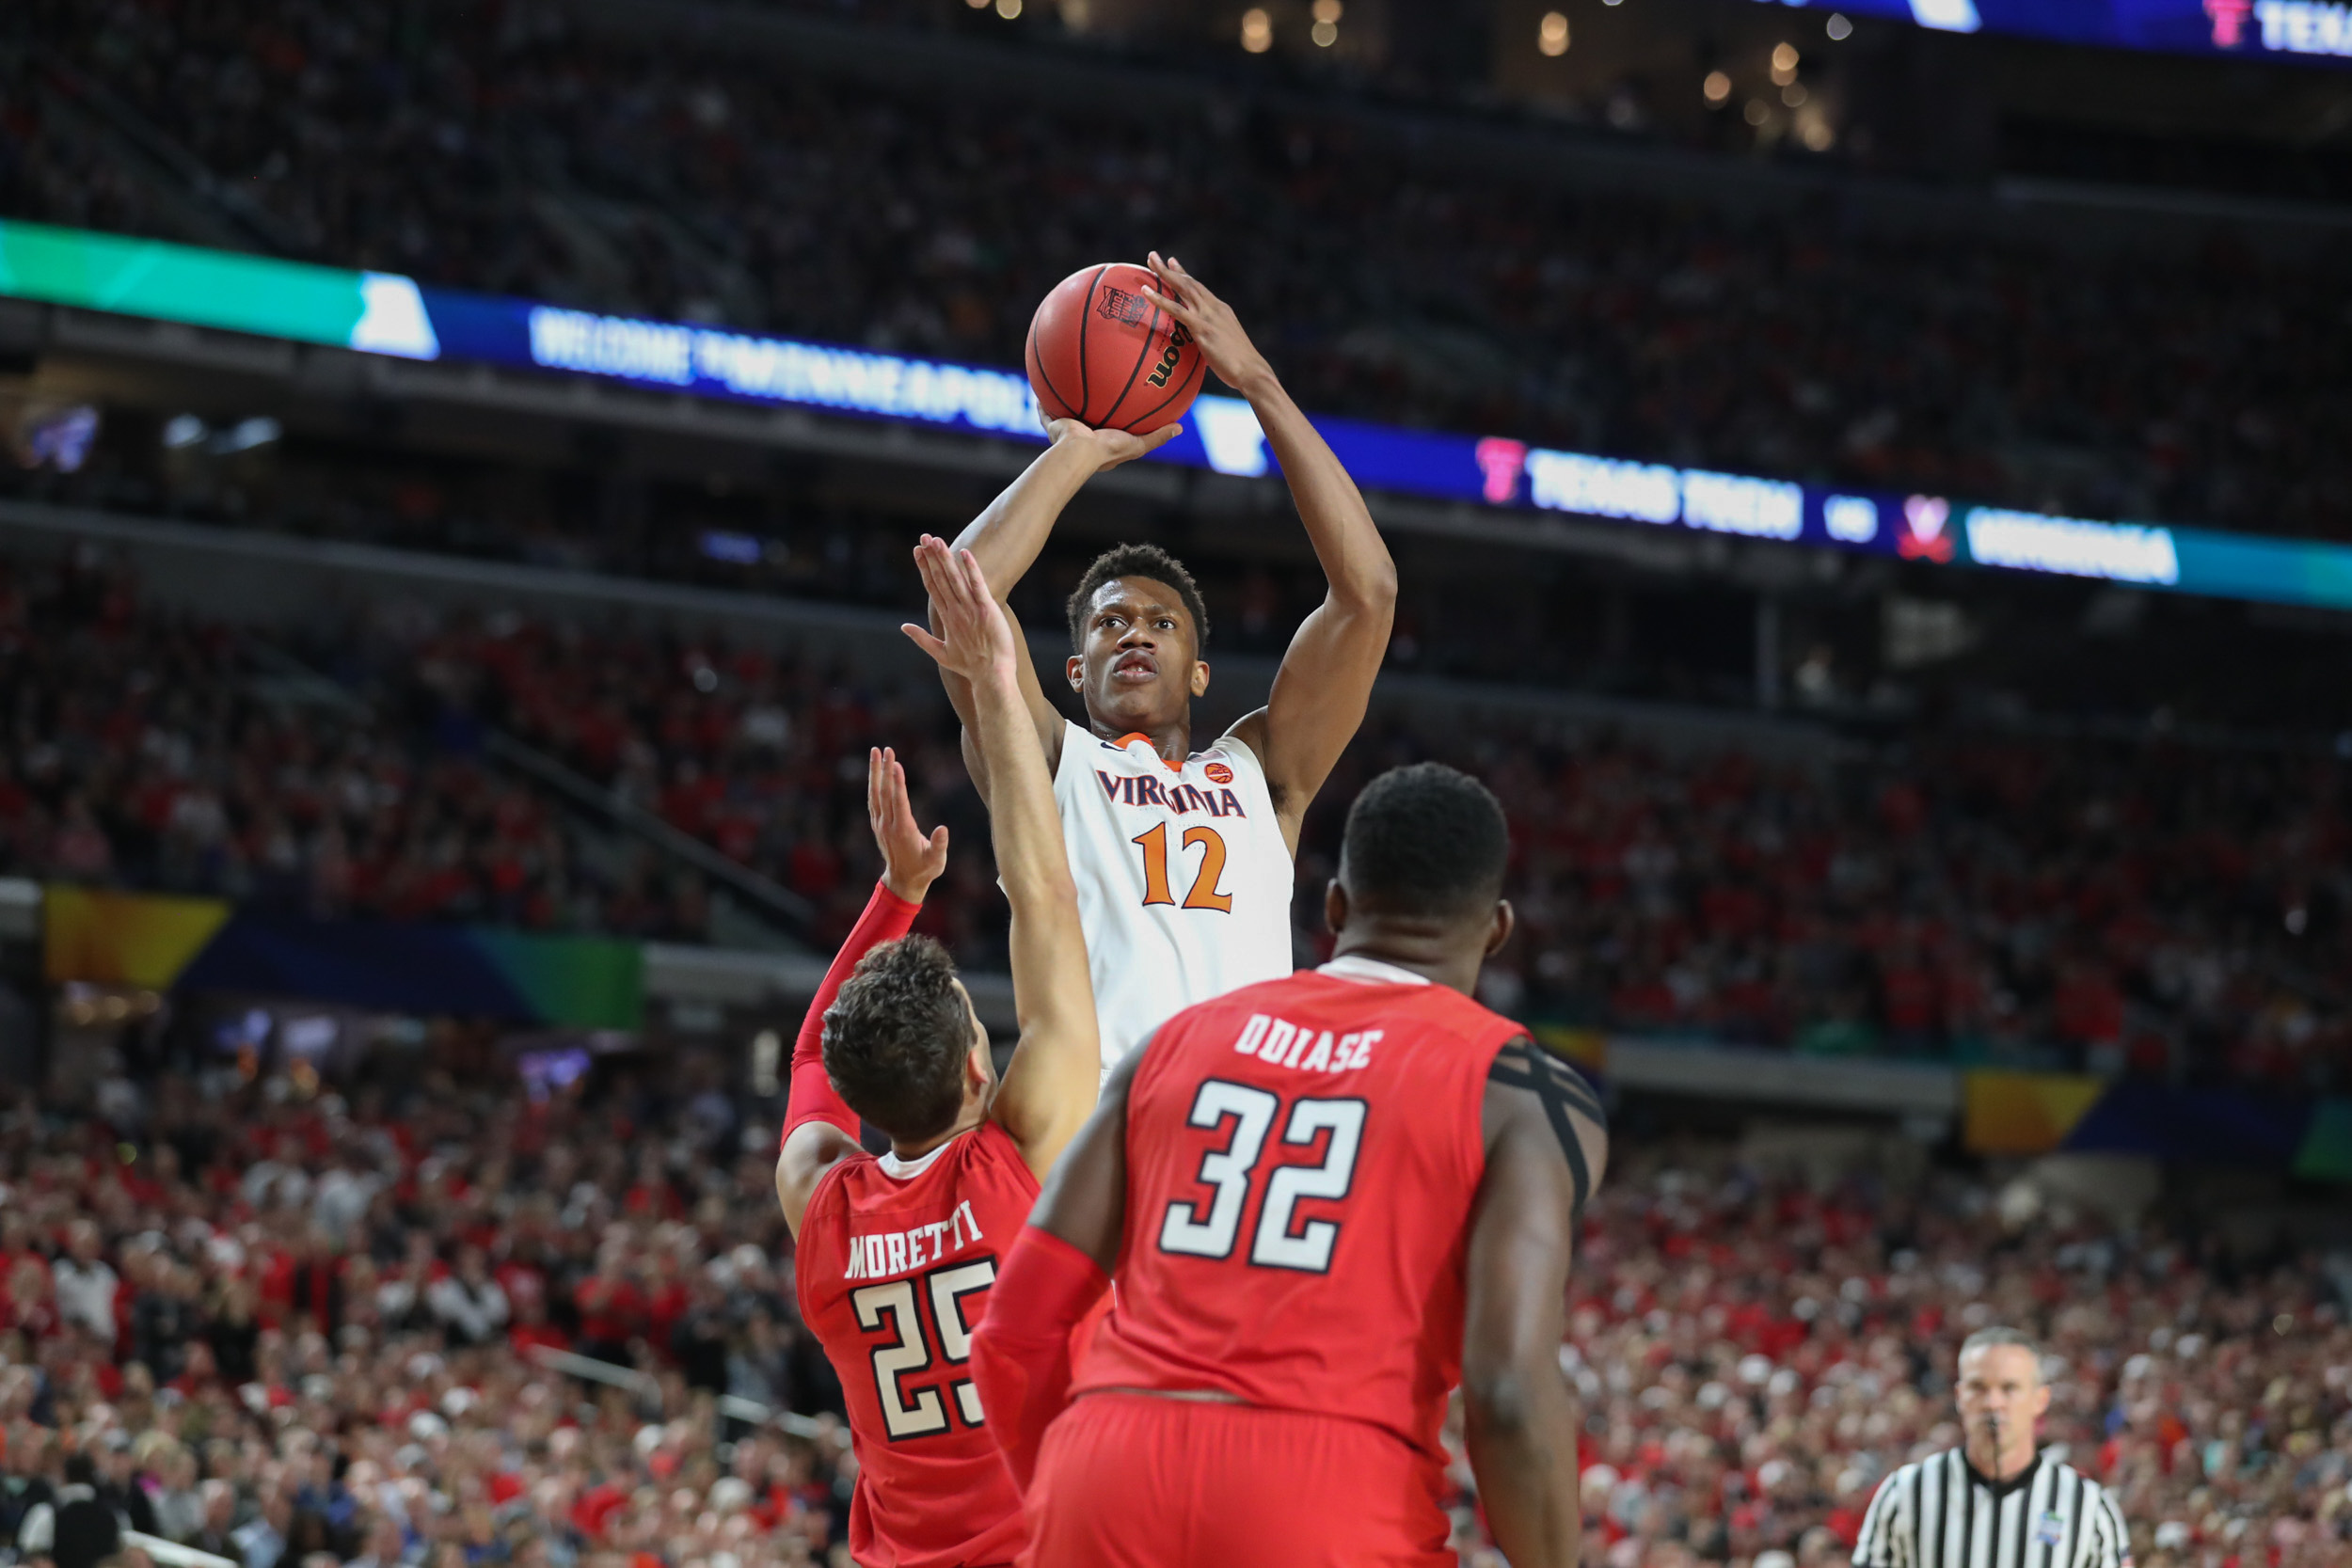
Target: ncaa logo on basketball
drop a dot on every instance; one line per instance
(1218, 773)
(1118, 305)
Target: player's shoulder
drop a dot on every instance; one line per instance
(837, 1190)
(1233, 750)
(989, 1148)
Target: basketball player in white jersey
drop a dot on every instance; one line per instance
(1183, 857)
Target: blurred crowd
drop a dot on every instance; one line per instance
(158, 751)
(759, 754)
(2183, 912)
(495, 147)
(2121, 905)
(1755, 1354)
(301, 1332)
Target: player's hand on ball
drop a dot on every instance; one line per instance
(1213, 325)
(1111, 446)
(976, 639)
(911, 861)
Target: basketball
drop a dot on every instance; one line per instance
(1103, 355)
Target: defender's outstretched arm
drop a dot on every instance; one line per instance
(819, 1131)
(1050, 1086)
(1325, 679)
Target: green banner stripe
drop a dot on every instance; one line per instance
(180, 283)
(582, 982)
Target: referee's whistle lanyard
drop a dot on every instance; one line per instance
(2003, 1488)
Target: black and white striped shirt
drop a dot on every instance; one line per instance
(1939, 1513)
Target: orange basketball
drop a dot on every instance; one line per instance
(1102, 354)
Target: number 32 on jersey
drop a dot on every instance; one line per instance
(1279, 1241)
(1204, 893)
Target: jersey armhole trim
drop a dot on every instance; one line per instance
(832, 1179)
(1012, 1151)
(1228, 738)
(1543, 1073)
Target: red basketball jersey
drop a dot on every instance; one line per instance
(895, 1264)
(1302, 1158)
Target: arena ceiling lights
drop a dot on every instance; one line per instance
(387, 314)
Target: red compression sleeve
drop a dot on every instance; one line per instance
(888, 918)
(1020, 1350)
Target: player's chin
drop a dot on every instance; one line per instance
(1138, 707)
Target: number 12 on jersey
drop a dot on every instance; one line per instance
(1203, 894)
(1277, 1243)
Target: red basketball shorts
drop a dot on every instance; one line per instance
(1129, 1480)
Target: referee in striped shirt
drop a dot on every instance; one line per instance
(1997, 1501)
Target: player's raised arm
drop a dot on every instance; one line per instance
(1050, 1085)
(1325, 679)
(1545, 1149)
(819, 1129)
(1004, 539)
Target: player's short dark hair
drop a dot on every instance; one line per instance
(895, 1037)
(1138, 561)
(1425, 840)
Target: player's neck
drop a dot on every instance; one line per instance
(909, 1153)
(1434, 959)
(1173, 742)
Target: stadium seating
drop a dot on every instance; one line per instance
(2188, 384)
(151, 752)
(1968, 895)
(298, 1326)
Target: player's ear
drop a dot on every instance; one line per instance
(1334, 906)
(1077, 672)
(1199, 676)
(1505, 921)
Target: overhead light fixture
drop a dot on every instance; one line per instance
(1552, 35)
(1257, 30)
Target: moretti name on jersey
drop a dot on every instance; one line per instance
(884, 1253)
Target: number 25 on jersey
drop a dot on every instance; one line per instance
(1203, 894)
(916, 1348)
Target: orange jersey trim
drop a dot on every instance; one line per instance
(1138, 735)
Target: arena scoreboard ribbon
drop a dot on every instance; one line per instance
(387, 315)
(2317, 31)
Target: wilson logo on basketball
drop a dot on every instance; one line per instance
(1118, 305)
(1176, 341)
(1218, 773)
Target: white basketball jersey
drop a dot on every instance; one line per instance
(1183, 880)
